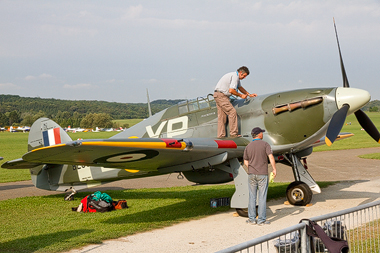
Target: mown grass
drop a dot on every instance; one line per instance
(47, 224)
(130, 122)
(365, 238)
(371, 156)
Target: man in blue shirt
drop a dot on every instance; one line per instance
(229, 85)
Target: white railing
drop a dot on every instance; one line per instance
(358, 225)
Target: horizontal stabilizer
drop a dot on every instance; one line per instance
(19, 164)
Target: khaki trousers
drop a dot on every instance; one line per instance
(225, 109)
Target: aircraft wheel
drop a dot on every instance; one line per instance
(243, 212)
(299, 194)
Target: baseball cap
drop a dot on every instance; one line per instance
(257, 130)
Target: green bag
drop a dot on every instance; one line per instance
(101, 196)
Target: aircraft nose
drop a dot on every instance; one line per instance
(355, 98)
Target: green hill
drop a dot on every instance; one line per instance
(21, 110)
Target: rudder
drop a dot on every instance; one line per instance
(45, 132)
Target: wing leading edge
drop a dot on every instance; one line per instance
(143, 154)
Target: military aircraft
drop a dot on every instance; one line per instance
(182, 139)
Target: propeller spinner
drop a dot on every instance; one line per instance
(349, 100)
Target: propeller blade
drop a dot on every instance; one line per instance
(367, 125)
(345, 79)
(336, 124)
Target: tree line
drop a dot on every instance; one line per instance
(23, 111)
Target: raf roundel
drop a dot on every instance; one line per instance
(126, 158)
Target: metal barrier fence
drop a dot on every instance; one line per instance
(358, 225)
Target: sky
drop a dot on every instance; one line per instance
(115, 50)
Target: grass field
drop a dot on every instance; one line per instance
(47, 224)
(14, 145)
(130, 122)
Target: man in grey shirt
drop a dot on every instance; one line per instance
(255, 157)
(229, 85)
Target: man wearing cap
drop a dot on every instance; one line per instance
(255, 157)
(229, 85)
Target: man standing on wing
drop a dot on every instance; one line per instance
(229, 85)
(255, 157)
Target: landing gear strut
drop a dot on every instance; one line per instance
(69, 196)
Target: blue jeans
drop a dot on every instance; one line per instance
(260, 183)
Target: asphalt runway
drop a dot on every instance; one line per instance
(339, 165)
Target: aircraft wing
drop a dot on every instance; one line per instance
(144, 154)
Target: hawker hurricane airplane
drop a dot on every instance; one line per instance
(182, 139)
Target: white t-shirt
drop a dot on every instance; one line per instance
(228, 81)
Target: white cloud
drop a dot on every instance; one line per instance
(28, 78)
(78, 86)
(152, 80)
(42, 76)
(132, 12)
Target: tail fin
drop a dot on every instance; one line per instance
(45, 132)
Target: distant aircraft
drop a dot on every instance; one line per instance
(182, 139)
(23, 129)
(74, 130)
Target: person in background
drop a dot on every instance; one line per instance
(255, 157)
(229, 85)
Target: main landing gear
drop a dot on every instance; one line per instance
(69, 195)
(298, 193)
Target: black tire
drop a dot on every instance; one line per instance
(299, 194)
(243, 212)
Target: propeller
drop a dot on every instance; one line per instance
(339, 117)
(367, 125)
(336, 124)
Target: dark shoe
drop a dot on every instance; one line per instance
(252, 222)
(264, 223)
